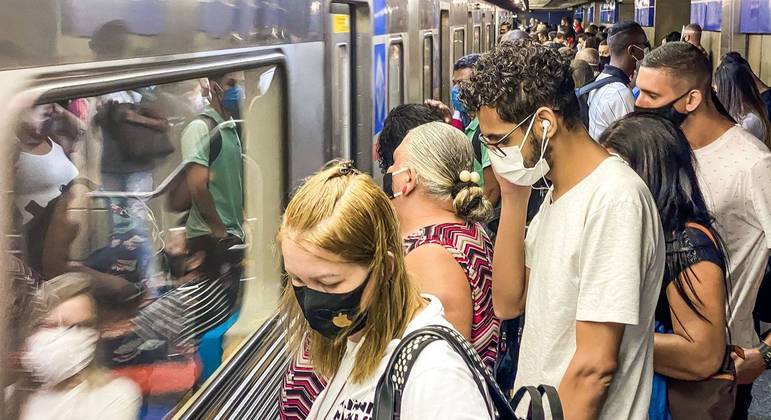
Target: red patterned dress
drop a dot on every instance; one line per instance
(471, 247)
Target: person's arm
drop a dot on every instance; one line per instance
(195, 152)
(616, 253)
(437, 273)
(159, 124)
(509, 275)
(749, 368)
(585, 385)
(197, 177)
(696, 349)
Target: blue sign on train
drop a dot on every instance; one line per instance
(379, 13)
(379, 98)
(707, 13)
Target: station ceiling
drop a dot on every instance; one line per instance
(554, 4)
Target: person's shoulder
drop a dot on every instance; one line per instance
(614, 180)
(745, 147)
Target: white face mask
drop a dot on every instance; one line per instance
(512, 167)
(56, 354)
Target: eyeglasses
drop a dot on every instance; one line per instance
(494, 146)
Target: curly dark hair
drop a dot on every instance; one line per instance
(518, 78)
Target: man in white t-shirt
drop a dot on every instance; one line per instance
(734, 170)
(627, 43)
(588, 275)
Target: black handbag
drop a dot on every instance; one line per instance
(136, 142)
(390, 387)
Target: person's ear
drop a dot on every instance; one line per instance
(412, 182)
(545, 122)
(694, 99)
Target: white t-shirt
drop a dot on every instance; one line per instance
(119, 399)
(39, 178)
(596, 254)
(440, 385)
(735, 177)
(607, 105)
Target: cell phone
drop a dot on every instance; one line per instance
(739, 352)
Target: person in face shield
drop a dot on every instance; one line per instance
(60, 356)
(349, 293)
(734, 169)
(589, 271)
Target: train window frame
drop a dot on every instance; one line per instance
(476, 39)
(458, 40)
(428, 65)
(87, 80)
(395, 97)
(490, 37)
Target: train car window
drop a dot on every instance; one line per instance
(342, 100)
(395, 75)
(428, 66)
(477, 42)
(142, 224)
(490, 37)
(458, 44)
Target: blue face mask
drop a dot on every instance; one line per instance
(456, 105)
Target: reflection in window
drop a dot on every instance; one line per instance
(477, 41)
(428, 67)
(490, 37)
(130, 226)
(395, 76)
(458, 44)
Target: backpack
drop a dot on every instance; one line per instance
(391, 386)
(179, 193)
(582, 94)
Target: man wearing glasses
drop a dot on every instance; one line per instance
(609, 102)
(588, 273)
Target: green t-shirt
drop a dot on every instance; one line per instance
(225, 175)
(479, 167)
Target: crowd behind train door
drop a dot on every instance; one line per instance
(583, 231)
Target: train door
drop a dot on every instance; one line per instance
(445, 66)
(340, 58)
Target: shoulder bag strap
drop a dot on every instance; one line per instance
(536, 402)
(553, 398)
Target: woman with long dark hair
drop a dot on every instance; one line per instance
(737, 91)
(690, 343)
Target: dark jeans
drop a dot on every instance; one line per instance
(743, 402)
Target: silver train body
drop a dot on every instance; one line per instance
(320, 79)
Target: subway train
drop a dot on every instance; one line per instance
(316, 80)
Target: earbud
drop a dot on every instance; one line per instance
(545, 124)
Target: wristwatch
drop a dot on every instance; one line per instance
(765, 352)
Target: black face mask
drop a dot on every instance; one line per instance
(331, 313)
(667, 111)
(388, 183)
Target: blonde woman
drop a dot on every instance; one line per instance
(60, 355)
(350, 294)
(441, 207)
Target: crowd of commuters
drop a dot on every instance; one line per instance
(637, 271)
(587, 213)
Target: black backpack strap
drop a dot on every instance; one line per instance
(215, 137)
(476, 142)
(391, 385)
(553, 398)
(536, 402)
(597, 84)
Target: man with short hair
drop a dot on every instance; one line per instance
(627, 43)
(734, 170)
(398, 123)
(692, 35)
(592, 57)
(589, 271)
(592, 42)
